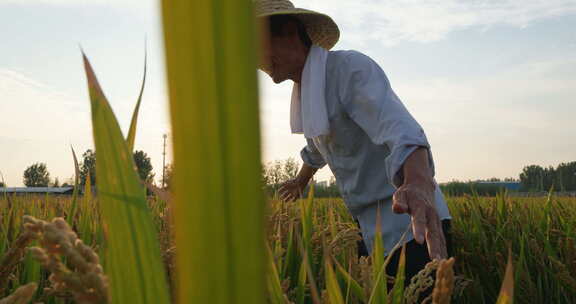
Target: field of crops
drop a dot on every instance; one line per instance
(540, 232)
(206, 241)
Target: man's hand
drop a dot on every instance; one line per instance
(292, 190)
(416, 197)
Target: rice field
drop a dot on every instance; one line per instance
(539, 231)
(203, 244)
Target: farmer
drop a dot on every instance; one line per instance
(353, 121)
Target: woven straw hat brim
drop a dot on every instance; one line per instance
(322, 30)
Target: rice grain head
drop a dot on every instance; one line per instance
(420, 283)
(444, 285)
(22, 295)
(81, 275)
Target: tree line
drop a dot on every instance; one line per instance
(37, 174)
(561, 178)
(533, 178)
(276, 173)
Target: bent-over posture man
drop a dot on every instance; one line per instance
(353, 121)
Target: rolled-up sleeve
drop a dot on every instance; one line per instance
(369, 100)
(311, 156)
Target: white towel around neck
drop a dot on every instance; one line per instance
(308, 112)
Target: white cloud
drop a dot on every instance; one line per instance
(146, 8)
(390, 22)
(79, 2)
(493, 126)
(40, 122)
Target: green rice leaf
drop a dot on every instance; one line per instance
(133, 261)
(88, 190)
(332, 287)
(506, 295)
(218, 200)
(380, 289)
(290, 258)
(275, 293)
(398, 289)
(132, 131)
(355, 287)
(302, 280)
(74, 205)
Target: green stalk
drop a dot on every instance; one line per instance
(219, 204)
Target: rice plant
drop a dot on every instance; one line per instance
(132, 258)
(483, 228)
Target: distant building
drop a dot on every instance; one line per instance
(37, 190)
(513, 186)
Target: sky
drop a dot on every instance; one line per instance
(492, 82)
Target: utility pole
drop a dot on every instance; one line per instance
(164, 162)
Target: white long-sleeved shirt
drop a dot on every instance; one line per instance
(371, 135)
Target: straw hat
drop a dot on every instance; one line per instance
(322, 30)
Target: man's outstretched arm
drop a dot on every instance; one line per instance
(369, 100)
(292, 190)
(415, 196)
(312, 162)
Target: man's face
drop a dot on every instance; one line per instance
(283, 55)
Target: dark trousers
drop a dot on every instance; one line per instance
(416, 255)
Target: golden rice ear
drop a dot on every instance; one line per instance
(444, 285)
(23, 294)
(74, 267)
(11, 258)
